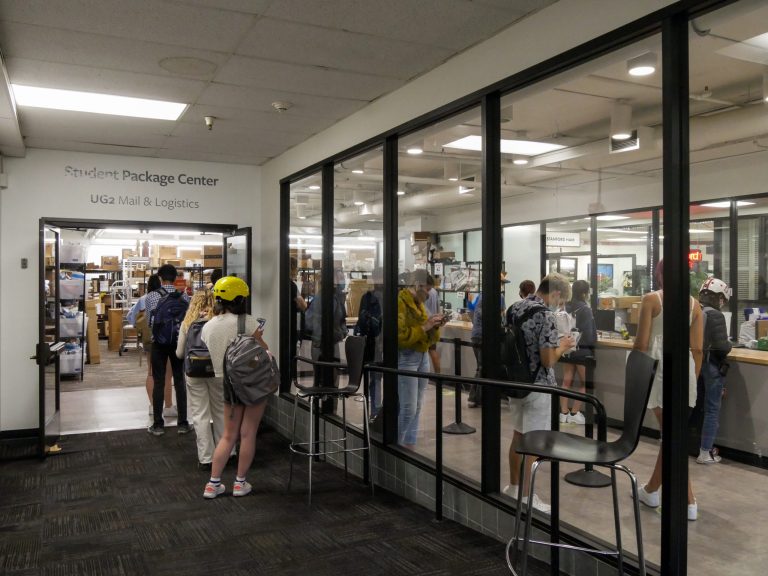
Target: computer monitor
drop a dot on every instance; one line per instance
(605, 320)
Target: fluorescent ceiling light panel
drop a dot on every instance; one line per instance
(55, 99)
(727, 204)
(523, 147)
(610, 217)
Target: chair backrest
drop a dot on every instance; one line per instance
(354, 347)
(640, 372)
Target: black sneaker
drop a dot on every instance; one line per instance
(204, 466)
(184, 428)
(156, 430)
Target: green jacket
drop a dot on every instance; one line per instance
(411, 315)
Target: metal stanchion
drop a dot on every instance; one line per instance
(588, 477)
(457, 427)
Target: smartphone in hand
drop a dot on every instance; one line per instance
(262, 322)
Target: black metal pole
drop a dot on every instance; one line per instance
(457, 427)
(439, 451)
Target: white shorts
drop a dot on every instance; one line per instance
(534, 412)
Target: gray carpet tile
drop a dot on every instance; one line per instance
(127, 503)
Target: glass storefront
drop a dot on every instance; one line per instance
(581, 193)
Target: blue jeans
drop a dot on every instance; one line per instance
(410, 393)
(713, 395)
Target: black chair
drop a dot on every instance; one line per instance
(354, 347)
(557, 446)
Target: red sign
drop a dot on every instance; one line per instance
(694, 256)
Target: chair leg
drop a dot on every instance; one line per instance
(617, 523)
(638, 525)
(367, 440)
(311, 447)
(293, 439)
(528, 518)
(519, 513)
(344, 431)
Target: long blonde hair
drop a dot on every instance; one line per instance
(200, 307)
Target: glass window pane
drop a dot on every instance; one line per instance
(305, 248)
(440, 176)
(581, 144)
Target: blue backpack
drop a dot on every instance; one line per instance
(167, 318)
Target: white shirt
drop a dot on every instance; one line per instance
(217, 334)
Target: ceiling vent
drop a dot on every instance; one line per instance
(639, 139)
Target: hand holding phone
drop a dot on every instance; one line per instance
(262, 322)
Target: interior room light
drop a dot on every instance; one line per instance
(609, 217)
(465, 190)
(357, 198)
(523, 147)
(414, 150)
(300, 212)
(519, 160)
(94, 103)
(314, 187)
(366, 210)
(621, 121)
(358, 171)
(643, 65)
(451, 169)
(727, 204)
(401, 192)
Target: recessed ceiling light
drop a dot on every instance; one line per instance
(414, 150)
(401, 192)
(314, 187)
(465, 190)
(621, 121)
(91, 102)
(358, 171)
(524, 147)
(727, 204)
(520, 161)
(609, 217)
(643, 65)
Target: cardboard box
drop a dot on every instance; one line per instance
(606, 304)
(626, 301)
(128, 253)
(634, 314)
(191, 254)
(761, 329)
(115, 318)
(110, 263)
(444, 255)
(421, 237)
(173, 262)
(214, 251)
(419, 247)
(213, 262)
(168, 252)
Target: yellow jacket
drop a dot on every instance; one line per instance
(411, 315)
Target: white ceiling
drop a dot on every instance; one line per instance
(225, 58)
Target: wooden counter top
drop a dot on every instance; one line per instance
(746, 355)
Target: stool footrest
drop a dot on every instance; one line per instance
(571, 547)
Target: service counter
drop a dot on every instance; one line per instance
(744, 413)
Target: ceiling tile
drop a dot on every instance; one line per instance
(213, 156)
(303, 44)
(73, 146)
(256, 120)
(94, 50)
(305, 79)
(150, 20)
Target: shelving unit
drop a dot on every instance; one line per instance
(72, 320)
(458, 280)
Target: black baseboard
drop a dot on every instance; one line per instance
(22, 433)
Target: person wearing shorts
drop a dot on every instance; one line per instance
(545, 348)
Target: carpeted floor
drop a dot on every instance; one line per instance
(127, 503)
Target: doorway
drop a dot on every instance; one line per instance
(94, 375)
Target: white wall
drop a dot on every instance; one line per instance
(41, 185)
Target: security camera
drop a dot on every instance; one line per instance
(209, 122)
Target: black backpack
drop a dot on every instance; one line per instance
(248, 368)
(515, 365)
(369, 316)
(167, 318)
(197, 358)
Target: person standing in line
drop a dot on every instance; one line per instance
(526, 288)
(369, 325)
(545, 347)
(714, 294)
(649, 339)
(163, 353)
(240, 421)
(206, 396)
(416, 332)
(137, 317)
(432, 304)
(578, 308)
(297, 307)
(475, 396)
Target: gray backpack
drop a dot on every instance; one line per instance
(248, 368)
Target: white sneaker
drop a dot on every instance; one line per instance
(693, 511)
(650, 499)
(170, 412)
(708, 456)
(563, 418)
(538, 503)
(510, 490)
(577, 418)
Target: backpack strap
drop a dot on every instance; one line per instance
(240, 324)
